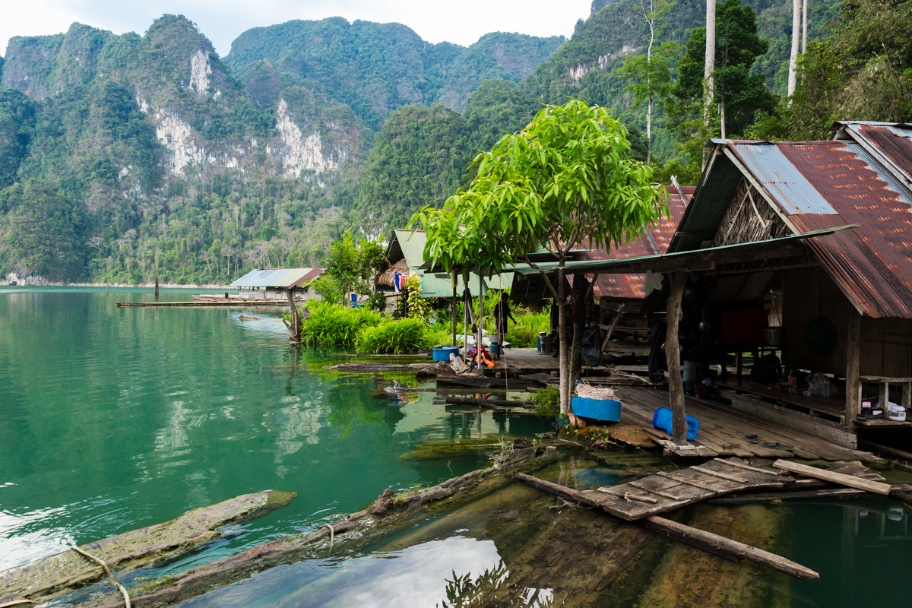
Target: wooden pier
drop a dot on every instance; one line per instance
(230, 303)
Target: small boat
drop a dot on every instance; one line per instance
(244, 317)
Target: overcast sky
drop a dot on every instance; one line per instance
(462, 21)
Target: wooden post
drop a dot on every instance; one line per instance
(156, 289)
(673, 356)
(480, 321)
(454, 308)
(853, 370)
(295, 319)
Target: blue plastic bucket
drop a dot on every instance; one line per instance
(662, 421)
(608, 410)
(442, 353)
(494, 349)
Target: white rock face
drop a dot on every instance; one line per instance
(199, 74)
(299, 152)
(177, 136)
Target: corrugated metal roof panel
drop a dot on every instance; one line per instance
(632, 287)
(892, 141)
(872, 263)
(277, 278)
(781, 179)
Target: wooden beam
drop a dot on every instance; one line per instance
(747, 467)
(837, 478)
(746, 499)
(853, 370)
(719, 545)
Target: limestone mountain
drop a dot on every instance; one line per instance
(158, 158)
(375, 68)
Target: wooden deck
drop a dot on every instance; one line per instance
(665, 492)
(728, 432)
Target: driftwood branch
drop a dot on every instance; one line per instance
(104, 565)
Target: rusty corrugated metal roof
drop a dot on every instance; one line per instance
(633, 286)
(891, 141)
(872, 264)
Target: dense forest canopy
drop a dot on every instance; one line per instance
(126, 158)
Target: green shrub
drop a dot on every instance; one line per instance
(547, 402)
(394, 337)
(440, 335)
(330, 324)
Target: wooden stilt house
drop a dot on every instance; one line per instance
(797, 252)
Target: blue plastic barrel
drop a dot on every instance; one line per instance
(662, 421)
(494, 349)
(442, 353)
(608, 410)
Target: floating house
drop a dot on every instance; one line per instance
(276, 283)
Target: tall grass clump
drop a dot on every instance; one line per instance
(394, 337)
(440, 334)
(524, 333)
(334, 325)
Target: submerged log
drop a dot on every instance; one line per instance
(719, 545)
(837, 478)
(153, 544)
(388, 509)
(497, 404)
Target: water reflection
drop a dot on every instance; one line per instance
(28, 537)
(415, 576)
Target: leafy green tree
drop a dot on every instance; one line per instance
(649, 76)
(739, 94)
(862, 72)
(352, 265)
(565, 181)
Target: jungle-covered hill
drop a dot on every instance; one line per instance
(123, 158)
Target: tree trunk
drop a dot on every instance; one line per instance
(722, 116)
(673, 356)
(804, 26)
(793, 58)
(562, 342)
(709, 66)
(649, 132)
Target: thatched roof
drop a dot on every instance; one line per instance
(388, 276)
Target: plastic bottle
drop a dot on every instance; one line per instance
(793, 382)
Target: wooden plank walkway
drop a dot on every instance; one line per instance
(725, 432)
(665, 492)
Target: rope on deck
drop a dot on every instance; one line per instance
(101, 562)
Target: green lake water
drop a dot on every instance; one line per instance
(114, 419)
